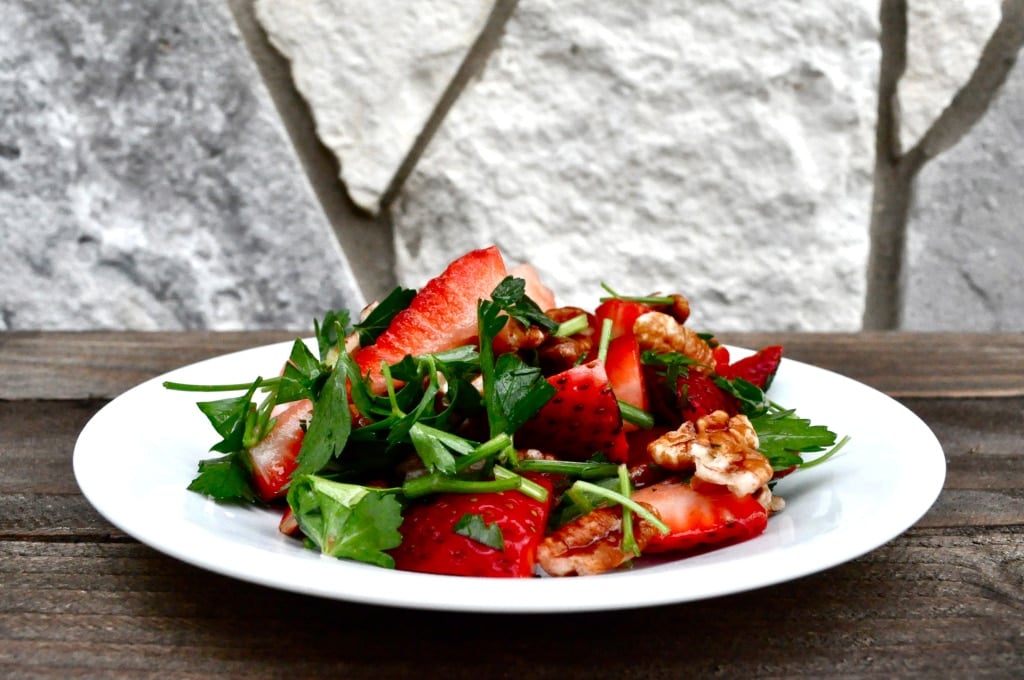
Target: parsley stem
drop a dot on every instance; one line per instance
(580, 500)
(436, 483)
(573, 468)
(389, 383)
(828, 454)
(527, 487)
(488, 449)
(572, 326)
(628, 539)
(606, 339)
(642, 299)
(189, 387)
(617, 497)
(637, 416)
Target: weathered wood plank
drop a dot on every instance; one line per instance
(911, 364)
(36, 444)
(929, 603)
(104, 364)
(101, 364)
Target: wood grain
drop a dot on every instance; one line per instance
(928, 603)
(102, 365)
(945, 599)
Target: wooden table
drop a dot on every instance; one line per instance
(79, 598)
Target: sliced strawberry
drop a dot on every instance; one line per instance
(623, 314)
(275, 457)
(535, 290)
(701, 515)
(625, 373)
(289, 524)
(441, 316)
(758, 368)
(430, 543)
(580, 420)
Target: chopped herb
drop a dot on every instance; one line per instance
(473, 526)
(224, 479)
(377, 321)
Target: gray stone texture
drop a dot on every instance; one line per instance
(944, 40)
(722, 150)
(145, 179)
(965, 240)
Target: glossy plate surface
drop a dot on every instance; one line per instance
(135, 458)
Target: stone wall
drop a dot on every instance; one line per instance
(787, 165)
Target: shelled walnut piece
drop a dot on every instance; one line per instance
(719, 449)
(663, 333)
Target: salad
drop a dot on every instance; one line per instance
(474, 428)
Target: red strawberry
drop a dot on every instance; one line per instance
(441, 316)
(699, 396)
(274, 458)
(721, 355)
(700, 515)
(626, 373)
(758, 368)
(430, 543)
(580, 420)
(623, 314)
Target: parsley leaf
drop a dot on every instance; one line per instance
(513, 391)
(473, 526)
(510, 295)
(347, 520)
(751, 398)
(519, 391)
(377, 321)
(230, 418)
(302, 375)
(673, 365)
(329, 427)
(782, 434)
(224, 479)
(431, 450)
(331, 333)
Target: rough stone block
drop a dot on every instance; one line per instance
(145, 180)
(723, 150)
(965, 241)
(372, 72)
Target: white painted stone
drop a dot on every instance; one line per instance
(722, 150)
(372, 72)
(944, 40)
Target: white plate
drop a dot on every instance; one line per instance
(136, 456)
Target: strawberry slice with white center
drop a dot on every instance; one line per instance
(274, 459)
(700, 515)
(441, 316)
(535, 289)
